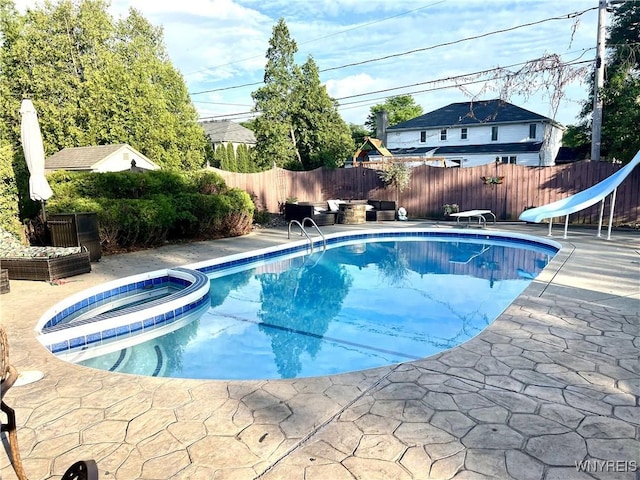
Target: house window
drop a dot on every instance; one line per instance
(494, 134)
(463, 133)
(532, 130)
(423, 137)
(511, 159)
(443, 134)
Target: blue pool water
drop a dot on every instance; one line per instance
(343, 309)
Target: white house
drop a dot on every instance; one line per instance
(100, 158)
(467, 134)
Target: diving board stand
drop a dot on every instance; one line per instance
(479, 214)
(583, 199)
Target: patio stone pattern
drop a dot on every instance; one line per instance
(554, 381)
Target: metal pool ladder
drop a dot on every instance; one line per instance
(304, 232)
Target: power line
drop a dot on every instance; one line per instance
(473, 74)
(322, 38)
(470, 82)
(446, 44)
(575, 61)
(454, 42)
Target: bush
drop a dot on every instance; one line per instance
(261, 217)
(207, 182)
(143, 210)
(117, 184)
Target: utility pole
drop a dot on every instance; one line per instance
(596, 120)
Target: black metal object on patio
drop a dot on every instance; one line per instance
(76, 230)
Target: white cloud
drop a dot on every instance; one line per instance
(222, 43)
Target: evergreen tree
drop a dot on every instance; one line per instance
(324, 139)
(299, 126)
(97, 81)
(230, 155)
(275, 141)
(221, 156)
(242, 158)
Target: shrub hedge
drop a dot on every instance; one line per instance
(138, 210)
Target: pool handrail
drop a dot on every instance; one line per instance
(583, 199)
(304, 232)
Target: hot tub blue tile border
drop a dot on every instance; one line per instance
(84, 341)
(123, 289)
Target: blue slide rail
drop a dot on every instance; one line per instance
(583, 199)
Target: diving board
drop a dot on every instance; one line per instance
(584, 199)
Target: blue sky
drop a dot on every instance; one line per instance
(218, 44)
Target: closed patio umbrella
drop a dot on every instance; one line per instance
(31, 138)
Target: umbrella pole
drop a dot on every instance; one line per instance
(44, 213)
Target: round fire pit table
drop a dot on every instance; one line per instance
(353, 213)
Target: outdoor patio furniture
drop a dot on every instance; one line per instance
(383, 210)
(46, 269)
(352, 213)
(41, 263)
(82, 470)
(319, 212)
(479, 214)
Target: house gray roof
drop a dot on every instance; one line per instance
(80, 158)
(471, 113)
(228, 131)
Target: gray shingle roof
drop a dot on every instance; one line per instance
(471, 113)
(227, 131)
(79, 158)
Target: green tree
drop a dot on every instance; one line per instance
(358, 133)
(299, 126)
(9, 219)
(96, 81)
(575, 136)
(323, 137)
(275, 136)
(621, 91)
(400, 109)
(230, 156)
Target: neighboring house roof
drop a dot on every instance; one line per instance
(85, 158)
(471, 113)
(518, 147)
(227, 131)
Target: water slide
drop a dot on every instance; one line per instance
(582, 200)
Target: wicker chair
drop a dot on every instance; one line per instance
(82, 470)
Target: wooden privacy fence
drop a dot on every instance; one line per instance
(507, 189)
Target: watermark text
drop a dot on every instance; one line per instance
(607, 466)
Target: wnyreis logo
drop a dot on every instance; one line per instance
(607, 466)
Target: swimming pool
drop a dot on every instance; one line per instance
(370, 299)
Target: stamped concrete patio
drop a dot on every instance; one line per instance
(552, 383)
